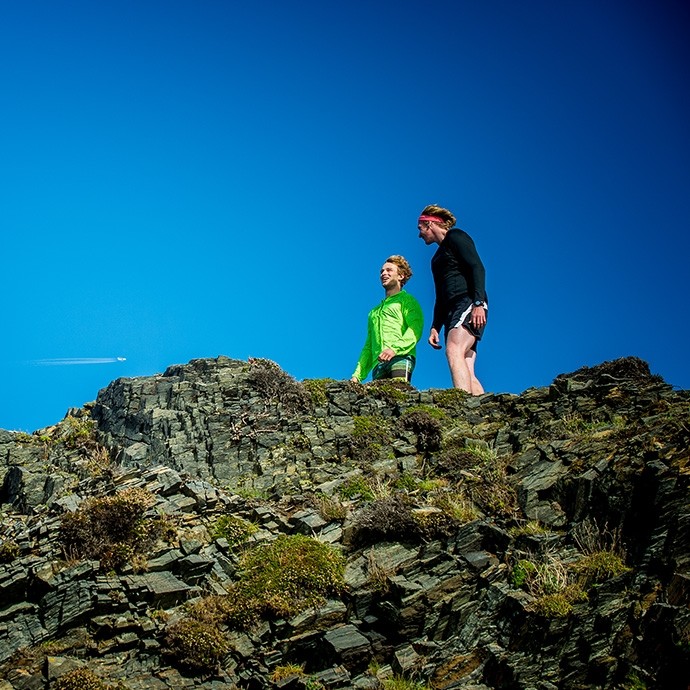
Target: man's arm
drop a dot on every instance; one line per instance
(462, 245)
(366, 360)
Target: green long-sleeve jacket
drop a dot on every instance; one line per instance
(397, 322)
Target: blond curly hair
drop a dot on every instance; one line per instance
(403, 267)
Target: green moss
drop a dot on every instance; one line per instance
(356, 486)
(317, 390)
(391, 391)
(369, 434)
(233, 529)
(371, 426)
(559, 604)
(599, 566)
(430, 410)
(451, 399)
(521, 573)
(283, 578)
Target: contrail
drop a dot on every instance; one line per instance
(70, 361)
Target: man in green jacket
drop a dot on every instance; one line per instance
(393, 327)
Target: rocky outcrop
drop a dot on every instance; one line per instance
(470, 530)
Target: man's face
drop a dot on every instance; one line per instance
(425, 232)
(390, 276)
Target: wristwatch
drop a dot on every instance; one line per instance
(478, 303)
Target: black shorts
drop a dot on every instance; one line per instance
(461, 316)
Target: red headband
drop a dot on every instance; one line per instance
(433, 219)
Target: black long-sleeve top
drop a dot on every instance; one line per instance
(458, 271)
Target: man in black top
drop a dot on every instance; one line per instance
(461, 303)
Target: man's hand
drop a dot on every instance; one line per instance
(478, 318)
(386, 355)
(434, 340)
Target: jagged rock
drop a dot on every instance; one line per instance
(598, 458)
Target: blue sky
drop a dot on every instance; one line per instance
(191, 179)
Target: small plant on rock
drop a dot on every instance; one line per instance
(391, 391)
(456, 505)
(287, 671)
(112, 528)
(317, 390)
(275, 385)
(426, 426)
(198, 645)
(233, 529)
(330, 508)
(9, 550)
(357, 486)
(283, 578)
(81, 679)
(598, 567)
(451, 399)
(549, 583)
(369, 434)
(402, 683)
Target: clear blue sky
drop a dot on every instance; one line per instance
(190, 179)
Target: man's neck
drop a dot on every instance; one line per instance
(392, 291)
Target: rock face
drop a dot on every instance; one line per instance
(536, 541)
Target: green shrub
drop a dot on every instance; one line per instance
(599, 566)
(233, 529)
(406, 482)
(80, 679)
(9, 550)
(317, 390)
(356, 486)
(283, 578)
(482, 473)
(330, 508)
(369, 434)
(521, 573)
(282, 672)
(559, 604)
(549, 583)
(275, 385)
(75, 431)
(112, 528)
(456, 505)
(391, 391)
(401, 683)
(426, 426)
(451, 399)
(194, 644)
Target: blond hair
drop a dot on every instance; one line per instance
(403, 267)
(448, 218)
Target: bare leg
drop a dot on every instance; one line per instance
(477, 388)
(461, 358)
